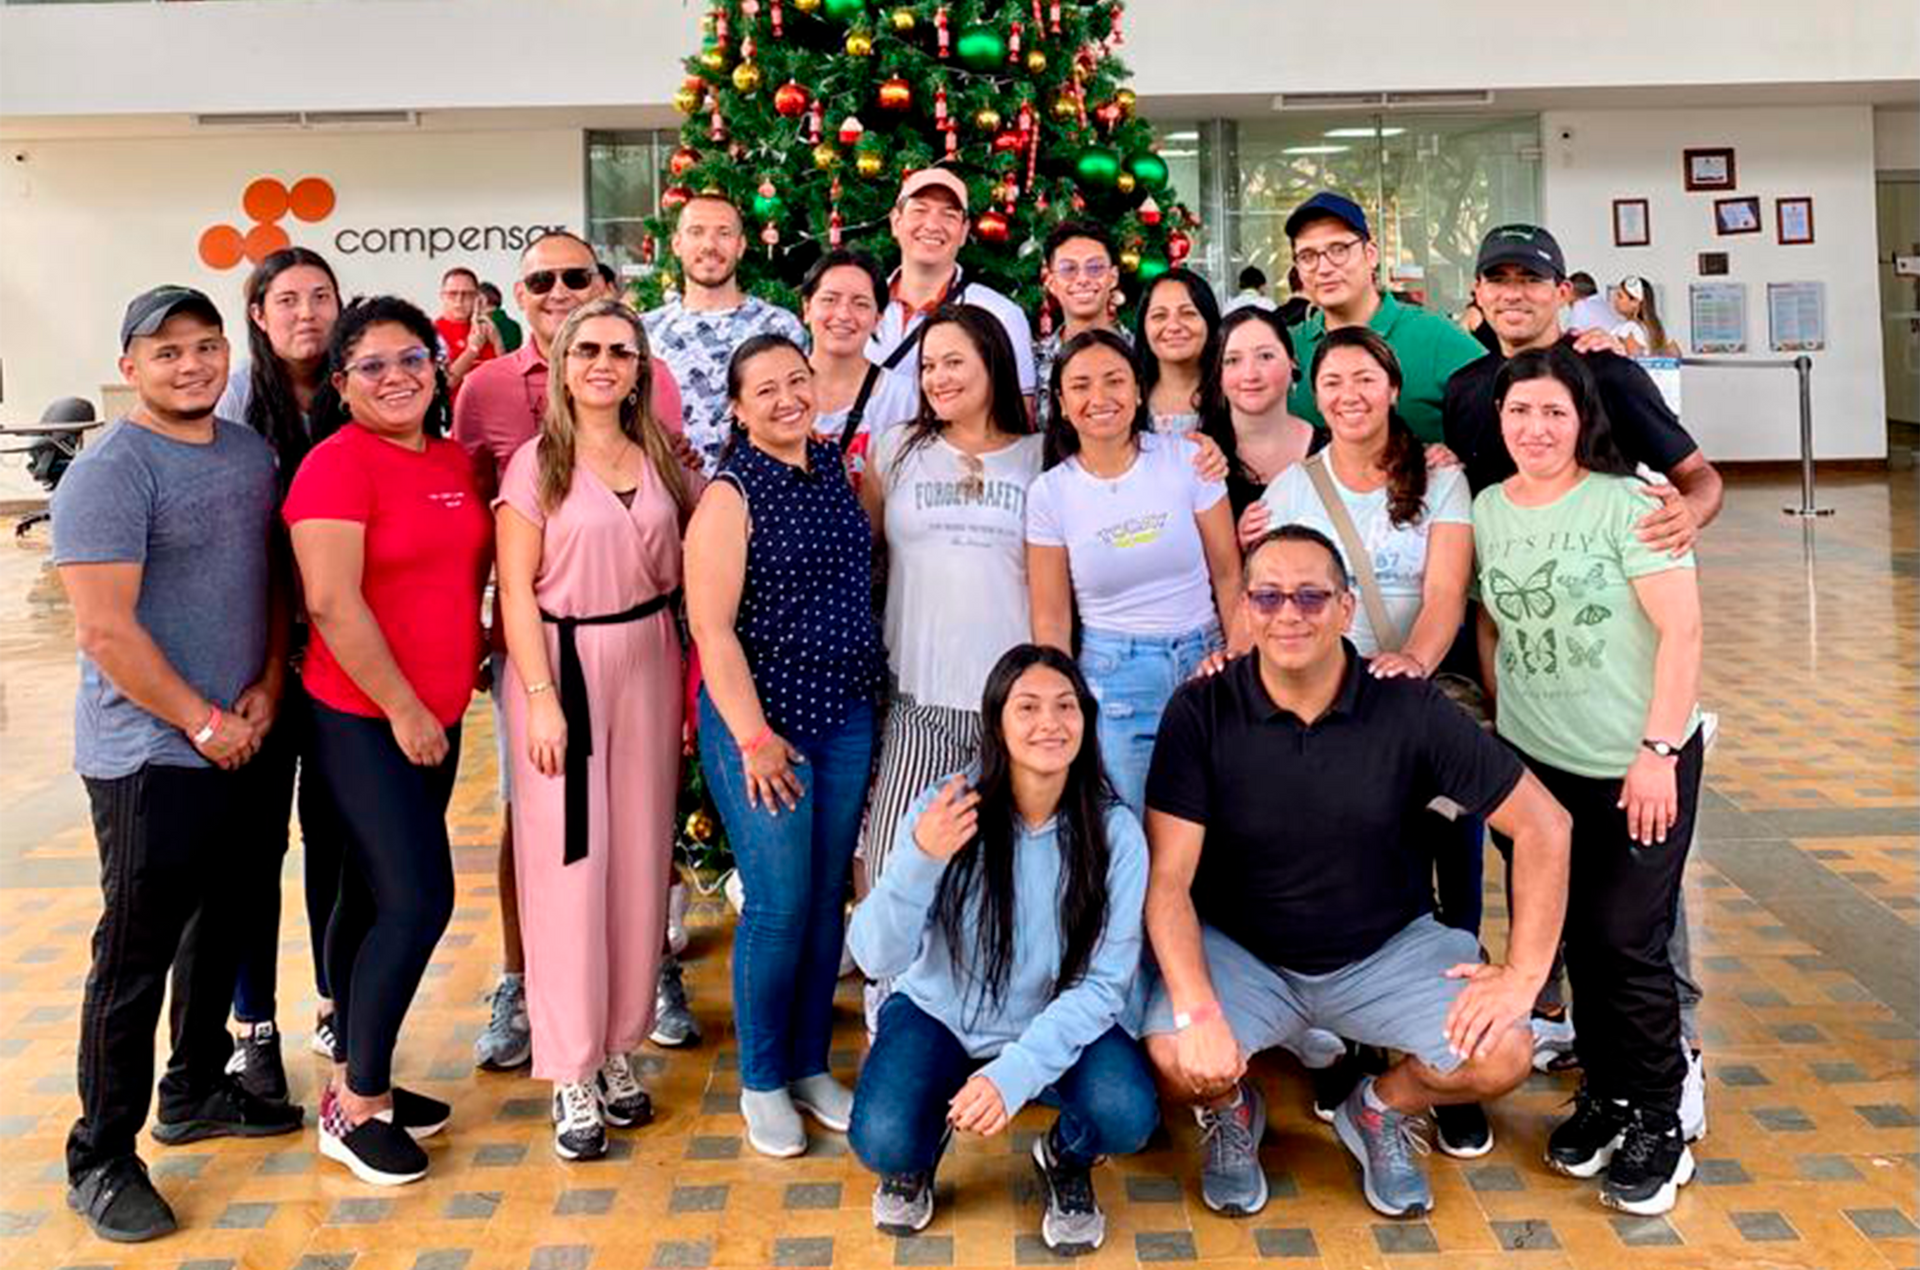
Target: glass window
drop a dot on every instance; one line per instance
(623, 189)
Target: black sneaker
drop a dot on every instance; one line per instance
(230, 1111)
(1462, 1130)
(377, 1151)
(1651, 1165)
(1332, 1085)
(419, 1115)
(1583, 1143)
(118, 1202)
(256, 1062)
(579, 1125)
(1073, 1224)
(325, 1040)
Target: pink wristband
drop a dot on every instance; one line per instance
(765, 735)
(207, 729)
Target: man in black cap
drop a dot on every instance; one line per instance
(1335, 257)
(1521, 285)
(162, 534)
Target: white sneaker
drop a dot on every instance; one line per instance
(735, 889)
(1693, 1098)
(579, 1127)
(677, 900)
(1709, 731)
(1552, 1043)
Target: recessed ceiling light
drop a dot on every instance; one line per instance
(1363, 132)
(1316, 149)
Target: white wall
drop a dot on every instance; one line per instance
(1896, 140)
(87, 224)
(1824, 152)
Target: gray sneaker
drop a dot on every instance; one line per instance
(508, 1041)
(903, 1203)
(1385, 1143)
(673, 1021)
(1073, 1224)
(1231, 1179)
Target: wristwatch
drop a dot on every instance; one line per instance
(1665, 749)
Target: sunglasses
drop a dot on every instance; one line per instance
(1092, 270)
(1269, 601)
(588, 351)
(414, 363)
(541, 281)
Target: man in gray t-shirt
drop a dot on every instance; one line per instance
(162, 534)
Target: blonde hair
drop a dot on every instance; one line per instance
(556, 446)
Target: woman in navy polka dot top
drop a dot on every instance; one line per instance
(778, 594)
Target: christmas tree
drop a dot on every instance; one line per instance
(805, 114)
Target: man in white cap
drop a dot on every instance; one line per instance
(930, 223)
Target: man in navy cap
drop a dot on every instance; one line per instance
(1338, 264)
(162, 534)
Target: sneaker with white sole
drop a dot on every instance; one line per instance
(903, 1203)
(256, 1064)
(673, 1023)
(1693, 1098)
(825, 1099)
(1461, 1130)
(325, 1040)
(1385, 1143)
(1584, 1143)
(1553, 1043)
(1231, 1180)
(419, 1115)
(623, 1102)
(377, 1151)
(1651, 1165)
(508, 1041)
(1072, 1225)
(773, 1123)
(579, 1129)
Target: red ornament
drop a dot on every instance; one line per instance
(683, 158)
(647, 249)
(1107, 115)
(992, 227)
(941, 37)
(1013, 43)
(717, 128)
(770, 236)
(1053, 15)
(834, 228)
(1178, 246)
(940, 106)
(1008, 142)
(776, 17)
(720, 28)
(1149, 212)
(675, 197)
(953, 144)
(850, 130)
(790, 99)
(815, 120)
(896, 94)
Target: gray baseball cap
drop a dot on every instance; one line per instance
(149, 311)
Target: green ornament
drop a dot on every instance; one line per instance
(846, 10)
(767, 207)
(1149, 169)
(1152, 267)
(981, 48)
(1097, 166)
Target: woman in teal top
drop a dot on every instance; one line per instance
(1593, 643)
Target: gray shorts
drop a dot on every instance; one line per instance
(502, 746)
(1397, 998)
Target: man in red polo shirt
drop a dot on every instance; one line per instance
(469, 337)
(499, 412)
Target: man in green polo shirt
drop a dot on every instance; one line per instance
(1338, 261)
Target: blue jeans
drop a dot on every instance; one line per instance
(1108, 1104)
(794, 864)
(1132, 677)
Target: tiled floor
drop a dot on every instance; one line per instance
(1804, 898)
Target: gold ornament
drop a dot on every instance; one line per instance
(807, 6)
(1064, 109)
(699, 826)
(714, 59)
(1130, 260)
(903, 20)
(825, 157)
(869, 163)
(1126, 99)
(1036, 62)
(987, 119)
(746, 78)
(687, 100)
(1125, 182)
(859, 44)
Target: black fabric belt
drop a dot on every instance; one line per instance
(579, 715)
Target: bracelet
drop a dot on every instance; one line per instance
(545, 685)
(765, 735)
(1199, 1014)
(208, 728)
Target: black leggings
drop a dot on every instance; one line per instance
(289, 747)
(396, 884)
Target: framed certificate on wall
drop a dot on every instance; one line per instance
(1719, 316)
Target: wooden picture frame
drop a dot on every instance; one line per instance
(1793, 220)
(1739, 215)
(1631, 225)
(1709, 168)
(1712, 264)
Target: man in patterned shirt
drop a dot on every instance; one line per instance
(696, 332)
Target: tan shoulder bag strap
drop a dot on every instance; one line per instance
(1385, 633)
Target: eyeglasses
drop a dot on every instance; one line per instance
(414, 363)
(588, 351)
(541, 281)
(1269, 601)
(1335, 254)
(1092, 270)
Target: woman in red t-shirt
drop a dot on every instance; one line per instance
(394, 545)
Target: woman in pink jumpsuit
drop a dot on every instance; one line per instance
(589, 519)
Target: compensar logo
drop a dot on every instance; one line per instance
(266, 202)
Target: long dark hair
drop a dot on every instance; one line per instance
(746, 351)
(980, 876)
(1062, 441)
(1201, 293)
(1006, 407)
(1216, 412)
(1595, 448)
(371, 311)
(1405, 459)
(846, 258)
(273, 410)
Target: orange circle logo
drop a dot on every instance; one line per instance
(266, 201)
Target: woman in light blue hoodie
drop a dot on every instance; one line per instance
(1009, 919)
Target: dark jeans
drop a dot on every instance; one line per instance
(396, 886)
(1620, 915)
(289, 748)
(166, 836)
(1107, 1100)
(795, 866)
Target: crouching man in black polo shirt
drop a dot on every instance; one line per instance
(1290, 888)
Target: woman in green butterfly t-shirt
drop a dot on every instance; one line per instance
(1593, 643)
